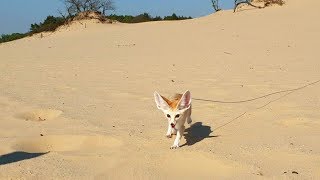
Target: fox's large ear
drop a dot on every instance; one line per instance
(161, 103)
(185, 100)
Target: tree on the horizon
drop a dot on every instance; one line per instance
(74, 7)
(215, 5)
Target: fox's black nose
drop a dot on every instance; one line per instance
(172, 125)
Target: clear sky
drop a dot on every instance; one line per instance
(17, 15)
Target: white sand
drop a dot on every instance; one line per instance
(85, 95)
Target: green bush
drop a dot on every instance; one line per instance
(145, 17)
(121, 18)
(175, 17)
(51, 23)
(11, 37)
(172, 17)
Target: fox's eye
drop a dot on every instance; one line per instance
(177, 116)
(168, 115)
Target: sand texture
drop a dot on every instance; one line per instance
(78, 103)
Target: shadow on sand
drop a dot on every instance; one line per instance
(18, 156)
(196, 133)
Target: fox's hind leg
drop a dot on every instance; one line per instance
(189, 120)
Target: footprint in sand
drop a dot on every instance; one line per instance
(40, 114)
(299, 122)
(64, 143)
(65, 89)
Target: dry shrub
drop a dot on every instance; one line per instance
(271, 2)
(92, 15)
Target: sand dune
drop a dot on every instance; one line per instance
(78, 104)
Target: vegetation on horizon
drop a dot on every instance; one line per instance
(51, 23)
(249, 2)
(75, 7)
(145, 17)
(11, 37)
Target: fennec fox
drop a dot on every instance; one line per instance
(177, 111)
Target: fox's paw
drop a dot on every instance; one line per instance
(168, 135)
(174, 146)
(174, 132)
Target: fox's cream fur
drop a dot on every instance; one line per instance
(177, 110)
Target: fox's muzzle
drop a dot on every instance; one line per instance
(172, 125)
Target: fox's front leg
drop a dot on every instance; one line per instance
(178, 138)
(173, 131)
(169, 132)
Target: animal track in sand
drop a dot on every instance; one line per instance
(65, 89)
(64, 143)
(40, 114)
(299, 122)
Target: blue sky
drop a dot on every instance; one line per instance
(17, 15)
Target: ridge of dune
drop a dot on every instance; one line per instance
(78, 104)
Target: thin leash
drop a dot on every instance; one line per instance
(256, 98)
(289, 91)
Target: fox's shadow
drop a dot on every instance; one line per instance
(196, 133)
(18, 156)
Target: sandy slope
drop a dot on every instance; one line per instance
(80, 100)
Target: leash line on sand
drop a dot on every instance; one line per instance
(252, 110)
(230, 121)
(260, 97)
(289, 91)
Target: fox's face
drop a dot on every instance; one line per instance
(173, 117)
(174, 110)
